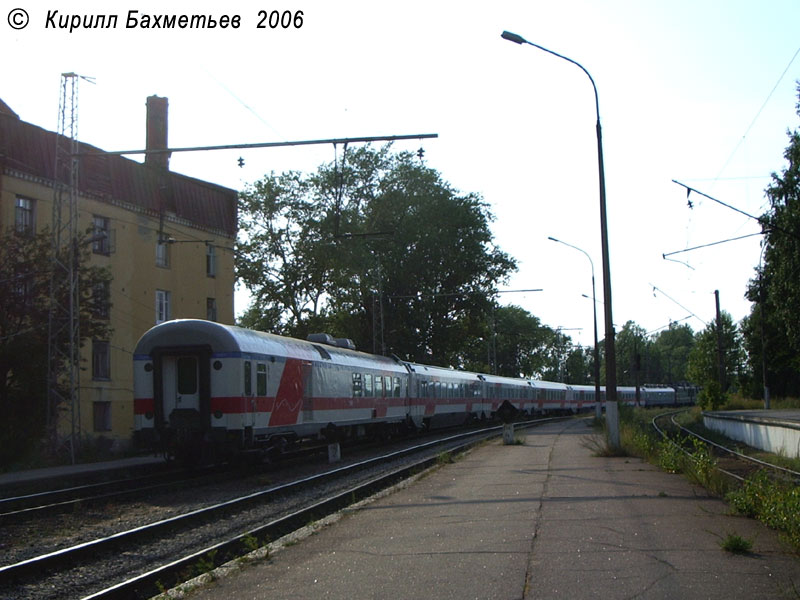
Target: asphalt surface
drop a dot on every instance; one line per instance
(543, 519)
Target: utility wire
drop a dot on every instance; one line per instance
(758, 114)
(766, 226)
(741, 237)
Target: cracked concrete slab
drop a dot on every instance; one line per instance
(546, 519)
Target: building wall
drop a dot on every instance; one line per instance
(106, 404)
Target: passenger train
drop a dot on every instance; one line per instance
(201, 386)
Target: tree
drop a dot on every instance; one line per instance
(630, 346)
(703, 369)
(25, 267)
(776, 288)
(377, 248)
(513, 343)
(668, 355)
(579, 366)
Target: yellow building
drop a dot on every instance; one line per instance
(166, 238)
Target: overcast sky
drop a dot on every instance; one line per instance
(698, 91)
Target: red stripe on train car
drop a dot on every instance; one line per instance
(289, 398)
(142, 406)
(241, 404)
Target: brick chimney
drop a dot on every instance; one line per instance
(157, 132)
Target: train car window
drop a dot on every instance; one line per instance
(437, 389)
(387, 386)
(248, 378)
(261, 379)
(357, 390)
(187, 375)
(367, 384)
(378, 386)
(397, 391)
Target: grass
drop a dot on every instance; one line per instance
(775, 503)
(736, 544)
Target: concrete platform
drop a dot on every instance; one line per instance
(775, 431)
(546, 519)
(17, 477)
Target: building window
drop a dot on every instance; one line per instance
(211, 261)
(101, 360)
(24, 217)
(162, 253)
(102, 416)
(101, 300)
(101, 238)
(163, 309)
(211, 309)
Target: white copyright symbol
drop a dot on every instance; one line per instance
(18, 18)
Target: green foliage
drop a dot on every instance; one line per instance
(512, 342)
(774, 323)
(775, 503)
(661, 358)
(25, 269)
(711, 396)
(702, 368)
(670, 456)
(736, 544)
(206, 563)
(667, 356)
(630, 345)
(251, 543)
(445, 458)
(377, 248)
(701, 465)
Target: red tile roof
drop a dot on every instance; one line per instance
(31, 150)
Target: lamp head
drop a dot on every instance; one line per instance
(513, 37)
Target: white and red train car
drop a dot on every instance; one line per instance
(203, 386)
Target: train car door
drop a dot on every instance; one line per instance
(181, 385)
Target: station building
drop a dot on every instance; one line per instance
(167, 240)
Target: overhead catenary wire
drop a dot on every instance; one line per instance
(741, 237)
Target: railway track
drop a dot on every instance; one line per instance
(735, 458)
(138, 562)
(67, 498)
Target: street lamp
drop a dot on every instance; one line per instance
(612, 415)
(598, 410)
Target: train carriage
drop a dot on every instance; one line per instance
(551, 397)
(203, 387)
(442, 397)
(200, 383)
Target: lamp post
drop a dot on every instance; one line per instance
(598, 410)
(612, 415)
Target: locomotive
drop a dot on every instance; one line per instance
(203, 387)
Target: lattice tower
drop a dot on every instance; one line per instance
(63, 349)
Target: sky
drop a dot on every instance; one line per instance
(698, 91)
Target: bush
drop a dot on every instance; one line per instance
(774, 503)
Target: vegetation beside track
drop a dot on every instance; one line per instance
(774, 501)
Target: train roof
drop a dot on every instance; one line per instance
(421, 369)
(230, 340)
(548, 385)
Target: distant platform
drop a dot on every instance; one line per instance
(775, 431)
(18, 477)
